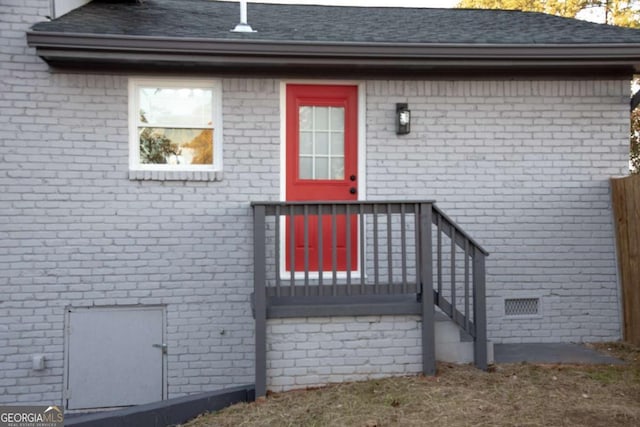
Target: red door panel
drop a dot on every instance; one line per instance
(327, 243)
(322, 164)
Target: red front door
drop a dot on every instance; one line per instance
(322, 164)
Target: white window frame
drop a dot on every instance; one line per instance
(166, 83)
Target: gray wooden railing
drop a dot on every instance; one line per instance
(411, 257)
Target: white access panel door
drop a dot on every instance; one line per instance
(114, 357)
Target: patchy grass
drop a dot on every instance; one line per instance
(508, 395)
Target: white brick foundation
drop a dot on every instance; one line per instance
(306, 352)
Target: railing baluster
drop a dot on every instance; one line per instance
(439, 265)
(277, 249)
(389, 250)
(376, 267)
(306, 249)
(320, 252)
(260, 299)
(453, 271)
(348, 247)
(292, 249)
(416, 210)
(426, 280)
(403, 238)
(479, 310)
(334, 251)
(362, 252)
(466, 284)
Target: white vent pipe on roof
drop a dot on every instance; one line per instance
(243, 27)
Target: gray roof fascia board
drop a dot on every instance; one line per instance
(62, 47)
(312, 48)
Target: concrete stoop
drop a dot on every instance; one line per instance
(454, 345)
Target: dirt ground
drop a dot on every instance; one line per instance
(507, 395)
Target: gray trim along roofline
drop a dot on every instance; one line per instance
(67, 48)
(314, 48)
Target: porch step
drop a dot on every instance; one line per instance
(454, 345)
(361, 305)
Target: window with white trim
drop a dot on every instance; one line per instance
(175, 125)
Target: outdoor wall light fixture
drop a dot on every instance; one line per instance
(403, 119)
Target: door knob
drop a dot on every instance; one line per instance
(352, 190)
(352, 177)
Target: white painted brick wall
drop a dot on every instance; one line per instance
(521, 165)
(75, 231)
(308, 352)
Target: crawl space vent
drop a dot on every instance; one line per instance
(521, 306)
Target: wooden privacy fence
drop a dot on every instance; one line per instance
(625, 193)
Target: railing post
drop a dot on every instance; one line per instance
(426, 280)
(260, 298)
(479, 310)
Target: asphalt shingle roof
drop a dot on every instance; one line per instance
(206, 19)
